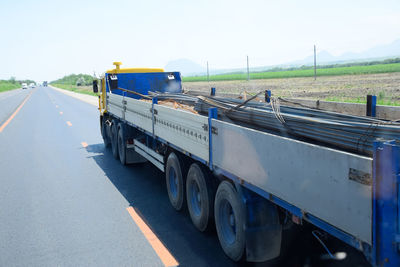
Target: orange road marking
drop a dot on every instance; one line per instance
(69, 123)
(61, 112)
(15, 113)
(84, 144)
(162, 252)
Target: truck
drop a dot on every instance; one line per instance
(248, 183)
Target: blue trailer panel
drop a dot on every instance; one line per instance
(143, 83)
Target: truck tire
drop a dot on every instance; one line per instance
(174, 177)
(230, 219)
(114, 139)
(199, 196)
(121, 143)
(104, 132)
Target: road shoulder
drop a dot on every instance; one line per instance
(93, 100)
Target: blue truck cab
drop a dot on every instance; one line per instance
(136, 82)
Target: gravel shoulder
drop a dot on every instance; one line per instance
(93, 100)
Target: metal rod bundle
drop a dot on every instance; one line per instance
(346, 132)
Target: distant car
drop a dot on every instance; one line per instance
(24, 86)
(32, 85)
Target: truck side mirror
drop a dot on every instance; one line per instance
(95, 86)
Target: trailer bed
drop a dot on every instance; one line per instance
(330, 185)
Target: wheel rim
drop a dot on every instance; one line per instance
(228, 222)
(173, 182)
(195, 198)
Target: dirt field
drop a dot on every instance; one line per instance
(336, 88)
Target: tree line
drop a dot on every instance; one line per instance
(75, 79)
(13, 80)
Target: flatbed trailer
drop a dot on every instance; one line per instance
(250, 183)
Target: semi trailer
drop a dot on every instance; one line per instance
(249, 182)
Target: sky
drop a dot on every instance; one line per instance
(46, 40)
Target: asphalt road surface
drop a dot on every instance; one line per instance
(65, 201)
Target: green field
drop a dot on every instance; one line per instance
(7, 85)
(369, 69)
(78, 89)
(362, 100)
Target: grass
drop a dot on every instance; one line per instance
(370, 69)
(363, 100)
(6, 86)
(87, 90)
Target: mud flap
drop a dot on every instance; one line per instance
(133, 157)
(263, 229)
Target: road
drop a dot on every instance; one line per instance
(9, 102)
(63, 204)
(65, 201)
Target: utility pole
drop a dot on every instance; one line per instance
(315, 63)
(248, 72)
(208, 73)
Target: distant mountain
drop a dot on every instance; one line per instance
(380, 52)
(322, 57)
(392, 49)
(186, 67)
(377, 52)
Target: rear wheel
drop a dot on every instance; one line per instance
(175, 182)
(229, 215)
(114, 139)
(121, 144)
(199, 196)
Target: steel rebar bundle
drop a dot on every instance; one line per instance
(346, 132)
